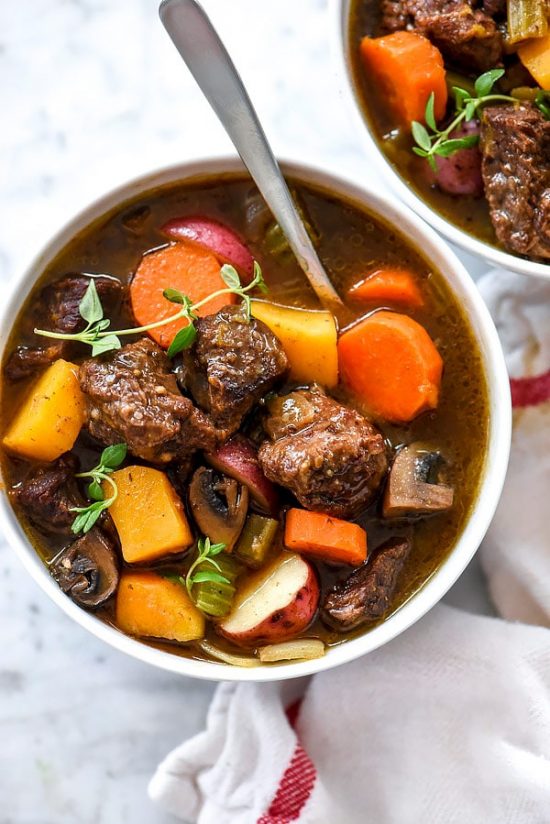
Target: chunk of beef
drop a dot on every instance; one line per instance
(233, 363)
(24, 361)
(515, 145)
(366, 594)
(329, 456)
(495, 8)
(467, 36)
(132, 396)
(87, 570)
(58, 304)
(49, 494)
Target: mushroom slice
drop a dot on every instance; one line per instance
(412, 488)
(219, 505)
(87, 570)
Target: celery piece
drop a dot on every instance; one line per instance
(453, 79)
(214, 597)
(526, 18)
(256, 540)
(524, 93)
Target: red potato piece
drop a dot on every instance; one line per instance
(274, 604)
(214, 236)
(238, 458)
(460, 173)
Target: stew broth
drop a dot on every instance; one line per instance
(350, 242)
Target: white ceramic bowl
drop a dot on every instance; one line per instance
(339, 22)
(494, 470)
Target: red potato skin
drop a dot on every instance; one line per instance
(238, 458)
(214, 236)
(285, 623)
(460, 174)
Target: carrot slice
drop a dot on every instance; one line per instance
(329, 539)
(390, 362)
(390, 285)
(407, 68)
(185, 266)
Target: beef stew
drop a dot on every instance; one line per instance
(214, 490)
(457, 96)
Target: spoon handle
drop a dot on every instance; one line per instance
(208, 61)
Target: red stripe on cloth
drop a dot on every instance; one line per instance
(295, 785)
(530, 391)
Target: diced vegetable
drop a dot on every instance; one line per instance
(324, 537)
(184, 266)
(148, 515)
(461, 81)
(256, 540)
(238, 458)
(214, 236)
(390, 362)
(49, 420)
(389, 285)
(407, 68)
(273, 604)
(303, 649)
(308, 338)
(228, 657)
(460, 172)
(215, 597)
(155, 607)
(526, 18)
(535, 56)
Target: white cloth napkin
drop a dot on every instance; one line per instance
(448, 723)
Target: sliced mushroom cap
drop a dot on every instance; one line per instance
(412, 489)
(219, 505)
(87, 570)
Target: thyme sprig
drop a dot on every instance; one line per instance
(101, 338)
(111, 458)
(206, 553)
(432, 141)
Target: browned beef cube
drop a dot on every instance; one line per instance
(49, 494)
(329, 456)
(232, 364)
(132, 397)
(59, 311)
(467, 37)
(515, 144)
(366, 594)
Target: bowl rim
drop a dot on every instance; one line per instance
(436, 251)
(339, 21)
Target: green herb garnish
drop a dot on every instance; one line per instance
(206, 553)
(432, 141)
(102, 339)
(110, 459)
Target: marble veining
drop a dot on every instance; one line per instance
(91, 93)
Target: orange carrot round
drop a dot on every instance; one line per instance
(324, 537)
(407, 68)
(183, 266)
(390, 362)
(390, 286)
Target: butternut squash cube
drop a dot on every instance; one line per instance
(155, 607)
(308, 337)
(148, 515)
(52, 415)
(535, 56)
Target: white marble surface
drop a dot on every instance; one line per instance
(92, 92)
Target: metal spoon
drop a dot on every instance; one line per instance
(208, 61)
